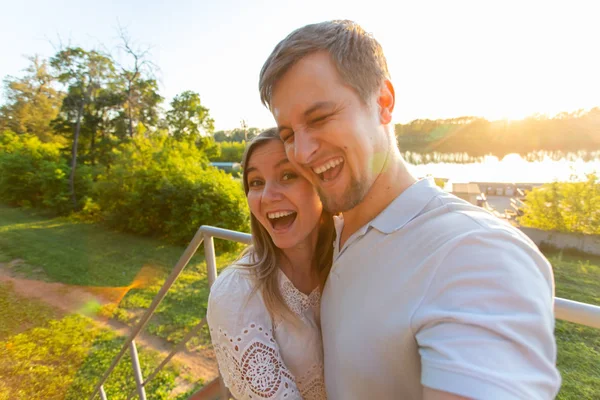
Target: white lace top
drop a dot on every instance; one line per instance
(260, 358)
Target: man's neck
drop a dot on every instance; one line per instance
(391, 182)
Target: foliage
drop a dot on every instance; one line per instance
(564, 206)
(230, 151)
(242, 134)
(162, 186)
(32, 102)
(188, 117)
(565, 132)
(35, 174)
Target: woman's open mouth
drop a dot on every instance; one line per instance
(281, 220)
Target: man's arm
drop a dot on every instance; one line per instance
(485, 328)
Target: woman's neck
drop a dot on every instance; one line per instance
(297, 264)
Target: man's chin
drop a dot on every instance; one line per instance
(341, 202)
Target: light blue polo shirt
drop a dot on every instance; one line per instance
(437, 292)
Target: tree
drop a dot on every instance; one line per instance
(140, 89)
(188, 118)
(86, 75)
(32, 102)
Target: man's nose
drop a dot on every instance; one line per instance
(305, 147)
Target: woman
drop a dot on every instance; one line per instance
(263, 311)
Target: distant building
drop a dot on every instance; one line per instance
(469, 192)
(228, 166)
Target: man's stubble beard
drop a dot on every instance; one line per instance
(352, 197)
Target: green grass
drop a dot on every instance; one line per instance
(79, 253)
(18, 314)
(578, 278)
(64, 358)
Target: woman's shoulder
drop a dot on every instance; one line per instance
(233, 279)
(234, 302)
(234, 286)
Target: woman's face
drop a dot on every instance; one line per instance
(284, 202)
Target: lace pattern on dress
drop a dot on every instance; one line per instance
(297, 301)
(312, 385)
(251, 365)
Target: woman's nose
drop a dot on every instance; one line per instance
(272, 192)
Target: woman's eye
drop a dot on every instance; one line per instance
(287, 176)
(255, 183)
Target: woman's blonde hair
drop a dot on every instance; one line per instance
(263, 257)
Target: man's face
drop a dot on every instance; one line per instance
(334, 139)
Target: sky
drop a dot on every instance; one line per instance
(495, 59)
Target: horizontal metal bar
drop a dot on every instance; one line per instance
(579, 313)
(227, 234)
(183, 261)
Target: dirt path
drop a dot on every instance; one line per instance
(77, 299)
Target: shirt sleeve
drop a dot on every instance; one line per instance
(485, 328)
(242, 337)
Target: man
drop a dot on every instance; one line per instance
(428, 297)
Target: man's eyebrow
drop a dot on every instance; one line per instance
(318, 106)
(250, 169)
(315, 107)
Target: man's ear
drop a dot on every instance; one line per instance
(386, 101)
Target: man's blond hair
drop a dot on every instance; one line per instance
(357, 56)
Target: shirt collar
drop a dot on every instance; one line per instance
(406, 206)
(398, 213)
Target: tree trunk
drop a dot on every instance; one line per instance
(130, 123)
(129, 109)
(74, 155)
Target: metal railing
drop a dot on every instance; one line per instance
(567, 310)
(206, 234)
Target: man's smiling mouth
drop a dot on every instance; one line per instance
(330, 169)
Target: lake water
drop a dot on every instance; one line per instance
(512, 168)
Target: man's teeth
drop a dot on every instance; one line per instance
(328, 165)
(279, 214)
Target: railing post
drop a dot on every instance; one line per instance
(183, 261)
(137, 372)
(211, 262)
(102, 393)
(211, 270)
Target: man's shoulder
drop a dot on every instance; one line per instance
(446, 221)
(448, 215)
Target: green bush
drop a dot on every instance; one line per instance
(163, 187)
(230, 151)
(34, 174)
(565, 206)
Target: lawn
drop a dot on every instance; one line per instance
(78, 253)
(44, 355)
